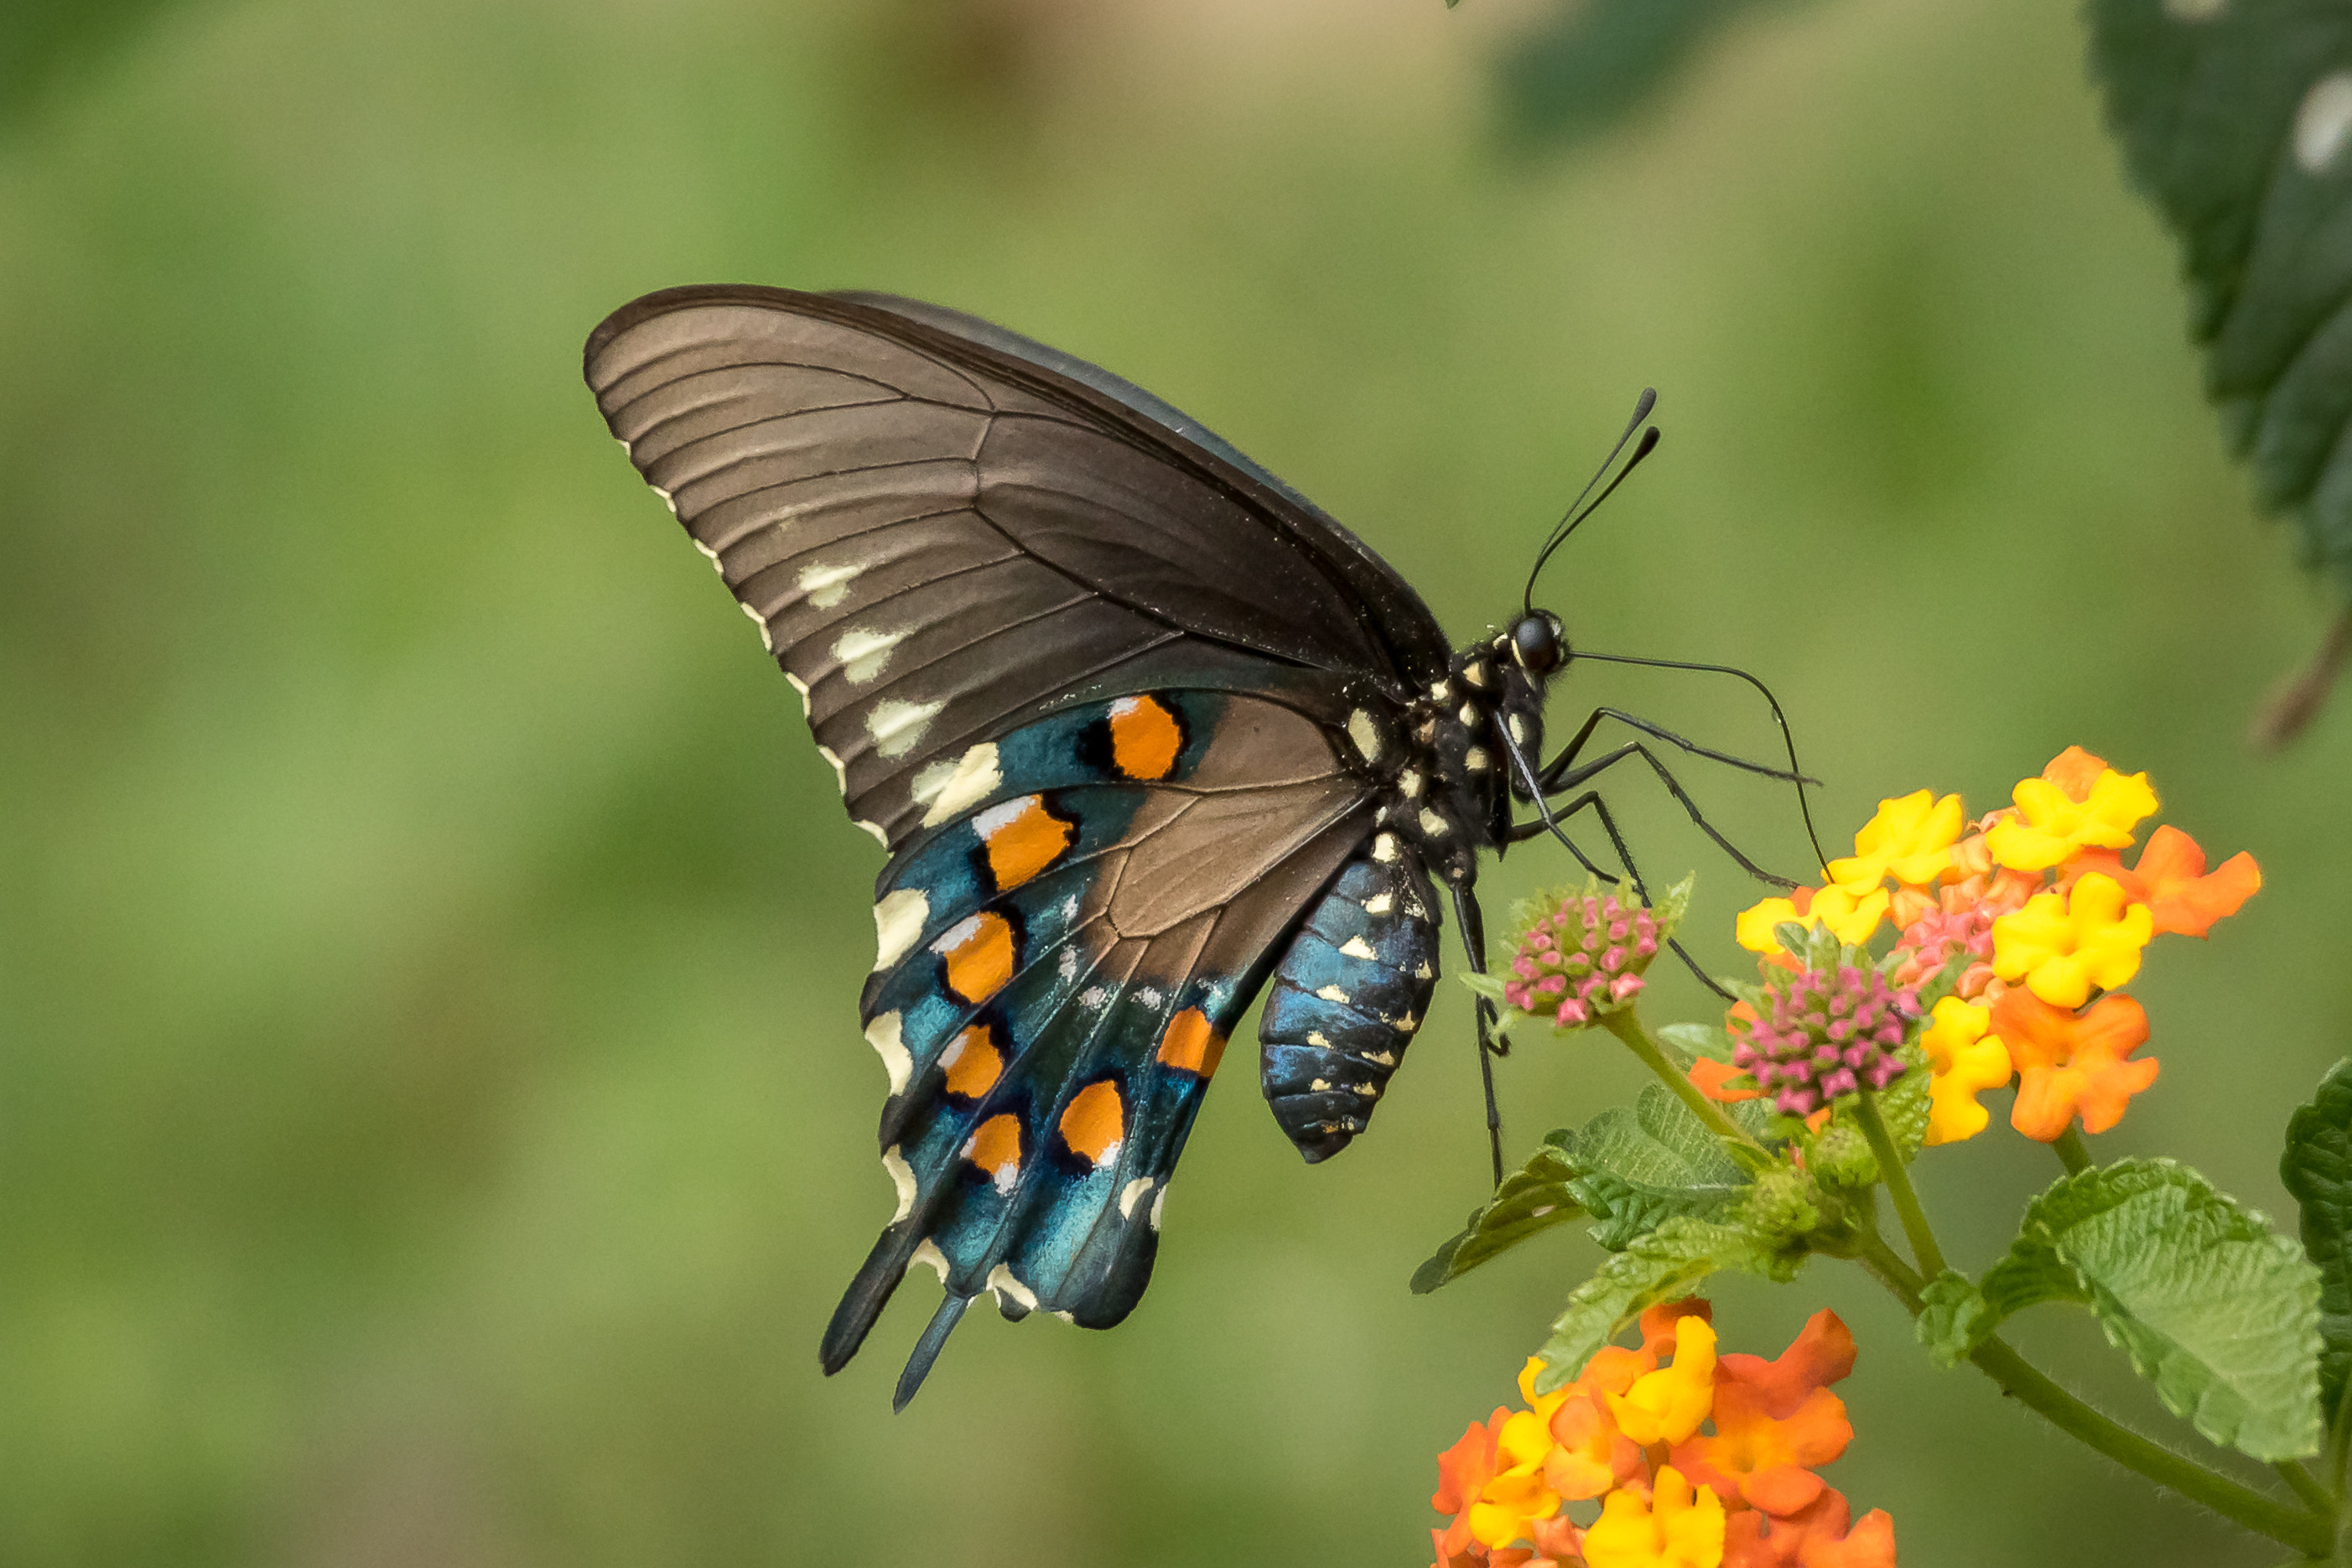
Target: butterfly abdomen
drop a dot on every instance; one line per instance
(1348, 996)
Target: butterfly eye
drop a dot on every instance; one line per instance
(1535, 643)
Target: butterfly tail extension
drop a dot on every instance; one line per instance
(1347, 998)
(927, 1349)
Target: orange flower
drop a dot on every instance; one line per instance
(1775, 1421)
(1816, 1536)
(1462, 1472)
(2070, 1064)
(1593, 1457)
(1820, 1354)
(2172, 881)
(1710, 1076)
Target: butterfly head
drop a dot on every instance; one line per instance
(1538, 643)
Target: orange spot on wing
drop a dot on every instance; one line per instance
(1095, 1121)
(1144, 738)
(973, 1063)
(1189, 1044)
(996, 1146)
(1022, 839)
(978, 953)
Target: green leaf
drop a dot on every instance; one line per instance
(1955, 1321)
(1636, 1168)
(2218, 1310)
(1691, 1043)
(1531, 1199)
(1903, 1104)
(1595, 63)
(2317, 1169)
(2233, 119)
(1666, 1265)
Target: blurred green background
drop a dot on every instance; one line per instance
(432, 1122)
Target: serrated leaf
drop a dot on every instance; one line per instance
(2234, 119)
(1666, 1264)
(1955, 1321)
(2317, 1170)
(1904, 1105)
(1638, 1168)
(2220, 1312)
(1531, 1199)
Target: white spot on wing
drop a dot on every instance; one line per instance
(1380, 1058)
(800, 687)
(2323, 122)
(949, 789)
(897, 921)
(929, 1252)
(896, 726)
(1157, 1201)
(759, 621)
(863, 653)
(1095, 996)
(875, 828)
(1132, 1194)
(882, 1033)
(1150, 995)
(1008, 1288)
(1365, 734)
(826, 586)
(902, 1173)
(1067, 965)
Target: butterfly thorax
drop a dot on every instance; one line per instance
(1452, 797)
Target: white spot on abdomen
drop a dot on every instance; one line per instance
(896, 726)
(897, 921)
(1378, 904)
(882, 1033)
(1333, 994)
(1355, 947)
(2323, 121)
(950, 789)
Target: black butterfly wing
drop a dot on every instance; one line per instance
(1088, 673)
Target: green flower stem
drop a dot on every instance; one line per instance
(1627, 1027)
(2316, 1498)
(2071, 1152)
(1892, 1171)
(2306, 1533)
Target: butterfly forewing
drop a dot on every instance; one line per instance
(1090, 675)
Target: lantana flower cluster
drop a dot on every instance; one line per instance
(1581, 958)
(2027, 921)
(1666, 1457)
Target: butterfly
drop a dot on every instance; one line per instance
(1143, 731)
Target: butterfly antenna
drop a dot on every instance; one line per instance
(1580, 509)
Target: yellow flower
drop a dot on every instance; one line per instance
(1911, 839)
(1517, 1494)
(1668, 1405)
(2063, 946)
(2050, 824)
(1850, 919)
(1966, 1061)
(1679, 1527)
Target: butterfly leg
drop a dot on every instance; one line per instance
(1472, 925)
(1563, 776)
(1553, 772)
(1548, 821)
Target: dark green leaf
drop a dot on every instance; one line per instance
(2317, 1169)
(1593, 63)
(2234, 117)
(2212, 1306)
(1666, 1265)
(1533, 1198)
(1635, 1169)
